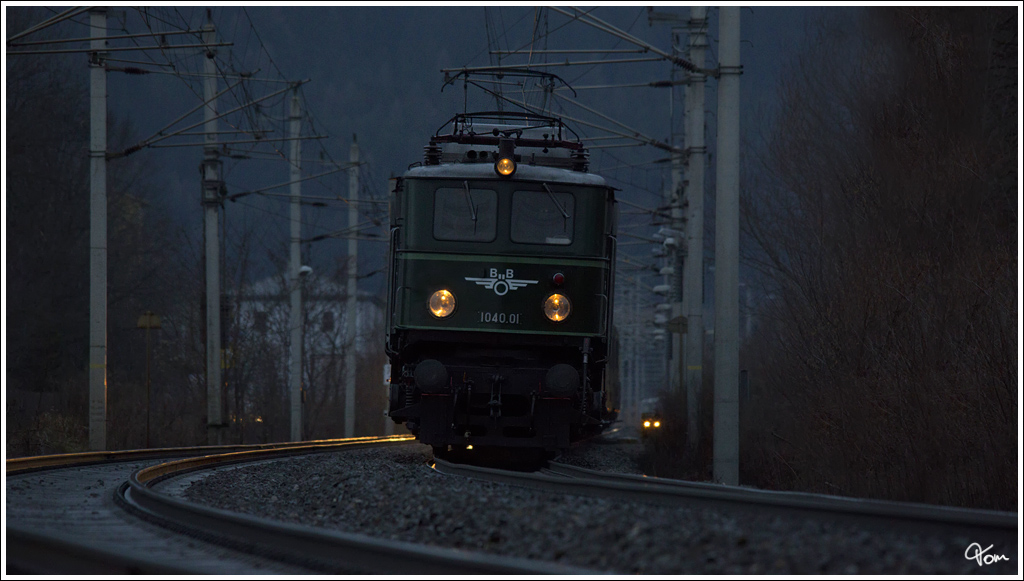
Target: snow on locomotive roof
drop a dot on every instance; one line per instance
(523, 172)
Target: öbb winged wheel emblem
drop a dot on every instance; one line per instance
(501, 282)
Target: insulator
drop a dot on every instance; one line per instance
(580, 160)
(432, 154)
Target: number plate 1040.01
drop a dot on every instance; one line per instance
(508, 318)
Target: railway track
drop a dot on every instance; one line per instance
(986, 527)
(106, 513)
(125, 513)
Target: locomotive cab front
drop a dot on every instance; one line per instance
(499, 302)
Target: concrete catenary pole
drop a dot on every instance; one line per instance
(727, 239)
(668, 271)
(638, 365)
(641, 347)
(626, 361)
(97, 233)
(389, 425)
(677, 251)
(674, 252)
(693, 273)
(351, 307)
(294, 267)
(212, 195)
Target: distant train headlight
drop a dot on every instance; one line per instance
(557, 307)
(442, 303)
(657, 424)
(647, 423)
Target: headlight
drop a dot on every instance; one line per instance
(442, 303)
(557, 307)
(647, 424)
(657, 424)
(505, 166)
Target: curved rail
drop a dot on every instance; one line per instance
(804, 500)
(58, 461)
(310, 547)
(565, 479)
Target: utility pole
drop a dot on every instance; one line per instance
(693, 270)
(627, 362)
(727, 239)
(676, 254)
(678, 251)
(677, 221)
(638, 367)
(213, 188)
(294, 268)
(97, 232)
(352, 305)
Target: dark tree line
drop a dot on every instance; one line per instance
(47, 267)
(885, 230)
(880, 216)
(47, 219)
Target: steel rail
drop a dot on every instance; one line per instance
(38, 546)
(860, 506)
(565, 479)
(57, 461)
(311, 547)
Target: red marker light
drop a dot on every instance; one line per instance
(558, 279)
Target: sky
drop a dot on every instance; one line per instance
(375, 72)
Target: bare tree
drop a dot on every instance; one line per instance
(48, 256)
(884, 230)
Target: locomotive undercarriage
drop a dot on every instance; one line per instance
(457, 395)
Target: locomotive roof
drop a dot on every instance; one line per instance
(524, 172)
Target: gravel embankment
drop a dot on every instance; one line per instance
(393, 493)
(605, 454)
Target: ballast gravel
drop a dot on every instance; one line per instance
(395, 494)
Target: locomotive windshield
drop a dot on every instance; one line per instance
(542, 217)
(465, 214)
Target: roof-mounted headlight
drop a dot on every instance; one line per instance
(506, 164)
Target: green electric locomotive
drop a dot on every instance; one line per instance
(502, 260)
